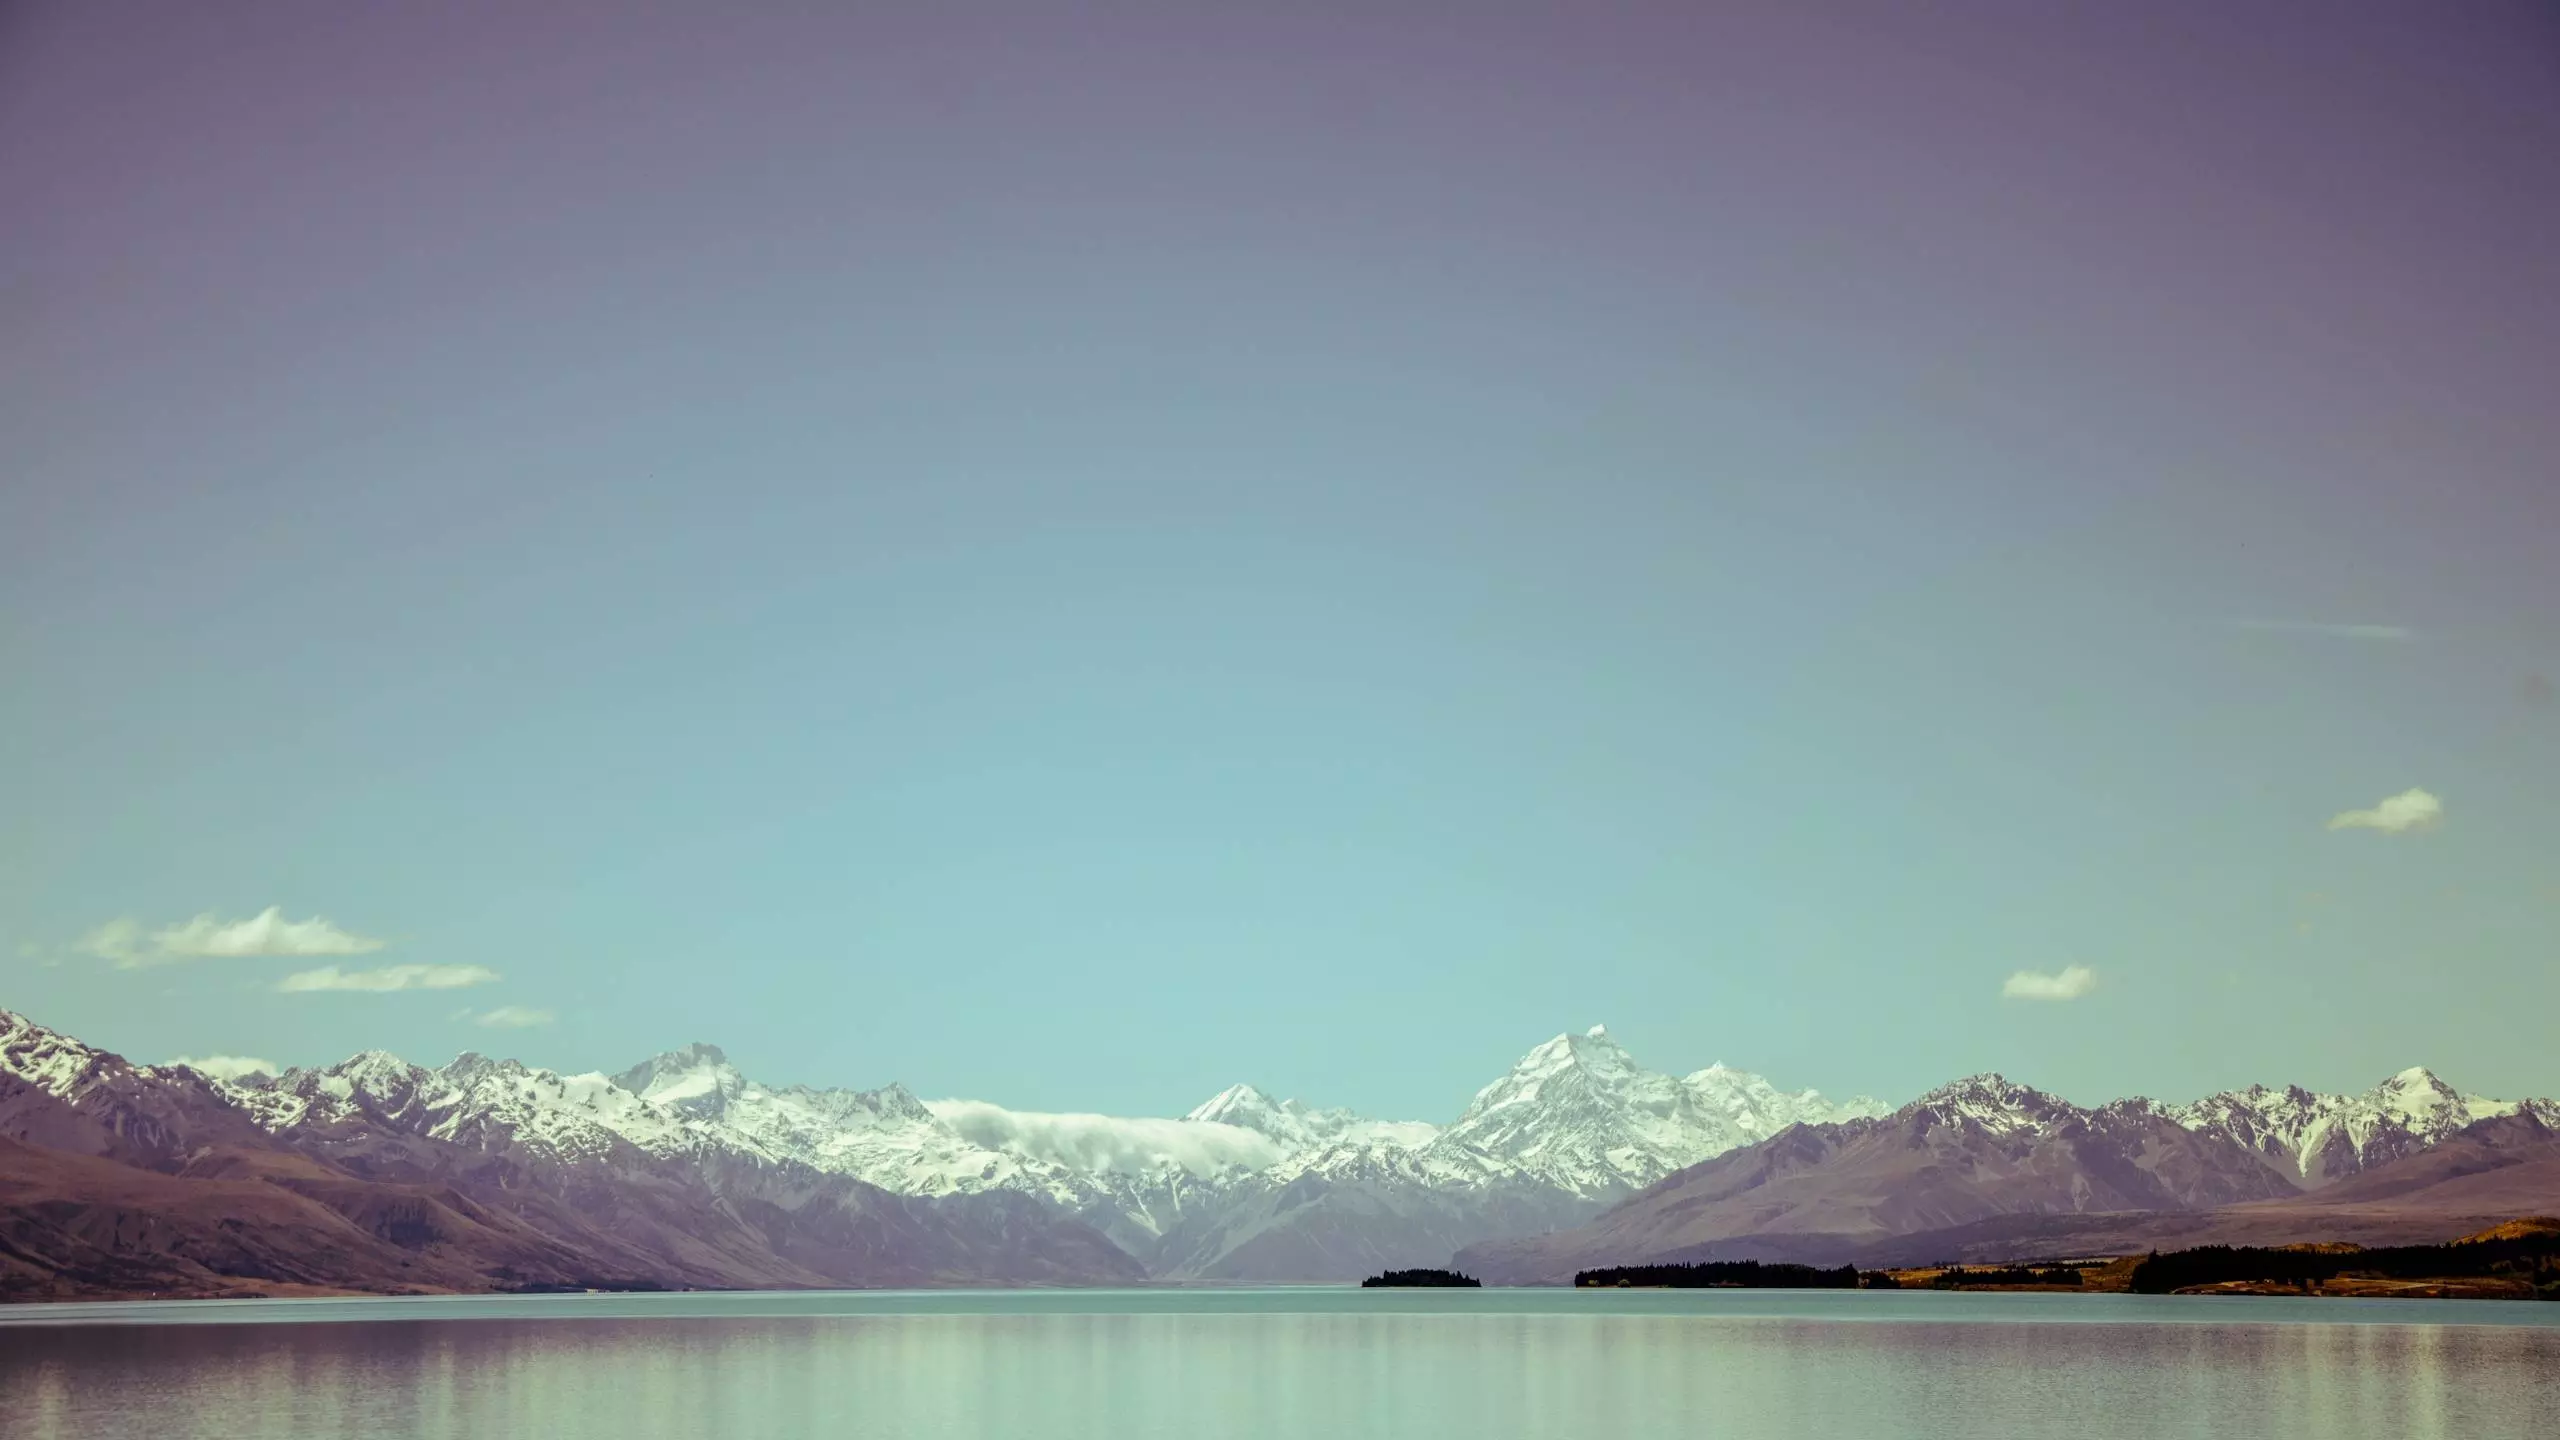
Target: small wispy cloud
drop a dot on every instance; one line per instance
(2071, 983)
(2412, 811)
(229, 1067)
(513, 1017)
(128, 946)
(389, 977)
(2327, 627)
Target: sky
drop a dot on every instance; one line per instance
(1076, 556)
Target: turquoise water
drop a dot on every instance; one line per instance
(1491, 1364)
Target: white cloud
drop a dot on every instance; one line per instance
(2073, 982)
(389, 977)
(229, 1067)
(2318, 627)
(513, 1017)
(266, 933)
(2409, 811)
(1110, 1142)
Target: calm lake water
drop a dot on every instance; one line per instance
(1269, 1363)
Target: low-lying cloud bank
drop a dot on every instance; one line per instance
(1110, 1142)
(229, 1067)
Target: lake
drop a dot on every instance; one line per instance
(1257, 1364)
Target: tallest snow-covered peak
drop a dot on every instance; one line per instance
(1580, 1110)
(1593, 1049)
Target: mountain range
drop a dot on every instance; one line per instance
(485, 1174)
(1986, 1168)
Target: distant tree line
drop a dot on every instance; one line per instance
(1446, 1279)
(1957, 1277)
(2530, 1257)
(1714, 1274)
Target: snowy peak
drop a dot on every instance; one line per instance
(1567, 1066)
(697, 1081)
(1990, 1102)
(1754, 1106)
(1245, 1106)
(46, 1059)
(1299, 1129)
(1591, 1050)
(2416, 1098)
(886, 1136)
(683, 1060)
(2318, 1138)
(493, 1105)
(1988, 1089)
(1582, 1114)
(68, 1069)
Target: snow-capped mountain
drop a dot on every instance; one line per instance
(1299, 1128)
(1249, 1187)
(1239, 1186)
(493, 1106)
(1242, 1187)
(1134, 1180)
(1574, 1125)
(885, 1136)
(65, 1095)
(2320, 1138)
(375, 1174)
(1986, 1161)
(1581, 1114)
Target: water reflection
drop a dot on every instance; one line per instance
(1272, 1375)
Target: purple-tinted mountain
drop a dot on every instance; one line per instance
(1989, 1168)
(118, 1177)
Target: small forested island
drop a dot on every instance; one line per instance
(1442, 1279)
(1721, 1274)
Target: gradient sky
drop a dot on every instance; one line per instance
(1075, 555)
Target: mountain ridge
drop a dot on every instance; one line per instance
(683, 1169)
(1988, 1157)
